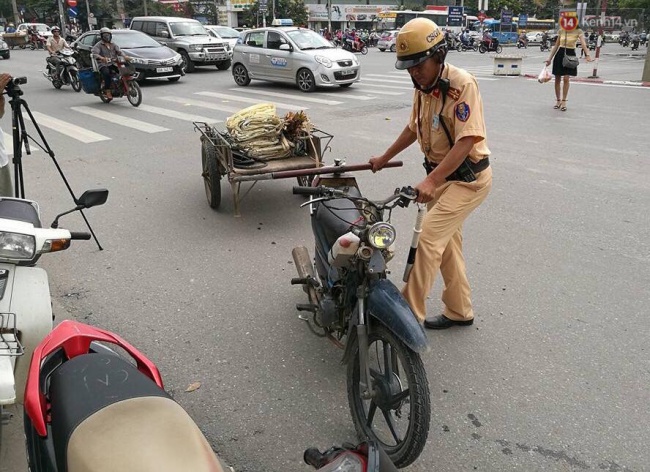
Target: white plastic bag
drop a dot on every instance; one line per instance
(544, 76)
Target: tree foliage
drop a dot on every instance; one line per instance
(294, 9)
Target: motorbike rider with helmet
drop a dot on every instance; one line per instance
(447, 121)
(106, 52)
(54, 44)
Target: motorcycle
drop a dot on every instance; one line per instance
(25, 301)
(470, 45)
(490, 46)
(66, 72)
(545, 45)
(123, 83)
(522, 44)
(36, 41)
(87, 406)
(351, 297)
(365, 457)
(635, 44)
(356, 46)
(592, 44)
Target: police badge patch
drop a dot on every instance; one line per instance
(462, 111)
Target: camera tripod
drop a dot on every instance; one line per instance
(21, 138)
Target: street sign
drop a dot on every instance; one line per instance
(523, 19)
(568, 20)
(506, 17)
(72, 3)
(482, 16)
(455, 17)
(72, 12)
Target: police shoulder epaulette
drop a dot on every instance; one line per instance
(453, 93)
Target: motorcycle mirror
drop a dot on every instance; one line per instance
(94, 197)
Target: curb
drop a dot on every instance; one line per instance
(600, 81)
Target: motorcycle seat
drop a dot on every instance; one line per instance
(108, 416)
(20, 210)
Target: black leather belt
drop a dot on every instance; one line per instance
(461, 174)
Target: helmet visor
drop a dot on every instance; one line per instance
(406, 62)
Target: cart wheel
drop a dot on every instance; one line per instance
(211, 175)
(305, 180)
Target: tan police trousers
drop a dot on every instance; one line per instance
(441, 247)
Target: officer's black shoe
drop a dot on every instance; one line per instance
(442, 322)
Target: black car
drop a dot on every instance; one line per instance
(151, 59)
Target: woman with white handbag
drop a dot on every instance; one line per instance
(565, 62)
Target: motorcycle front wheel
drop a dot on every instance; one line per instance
(399, 413)
(134, 94)
(364, 50)
(499, 49)
(482, 49)
(75, 82)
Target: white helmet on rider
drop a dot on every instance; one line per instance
(55, 29)
(105, 34)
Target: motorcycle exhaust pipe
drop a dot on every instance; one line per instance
(303, 262)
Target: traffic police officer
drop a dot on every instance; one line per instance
(447, 121)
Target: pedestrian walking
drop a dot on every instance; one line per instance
(447, 121)
(563, 66)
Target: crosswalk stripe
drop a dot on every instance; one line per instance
(300, 98)
(120, 120)
(9, 144)
(63, 127)
(349, 96)
(383, 80)
(176, 114)
(201, 104)
(236, 98)
(394, 87)
(384, 92)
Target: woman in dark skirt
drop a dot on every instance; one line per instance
(565, 45)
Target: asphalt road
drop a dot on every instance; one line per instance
(552, 376)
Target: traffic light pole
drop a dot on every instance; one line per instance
(61, 17)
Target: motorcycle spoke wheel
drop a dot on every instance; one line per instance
(399, 412)
(75, 82)
(134, 94)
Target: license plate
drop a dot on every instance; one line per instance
(348, 72)
(164, 69)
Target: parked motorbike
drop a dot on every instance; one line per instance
(66, 72)
(25, 301)
(490, 46)
(356, 46)
(470, 45)
(86, 405)
(355, 306)
(123, 83)
(365, 457)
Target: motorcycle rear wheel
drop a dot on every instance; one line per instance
(482, 49)
(364, 50)
(399, 378)
(499, 49)
(134, 94)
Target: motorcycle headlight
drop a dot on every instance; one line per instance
(323, 60)
(17, 246)
(381, 235)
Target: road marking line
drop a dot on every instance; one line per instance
(383, 92)
(201, 104)
(176, 114)
(386, 86)
(300, 98)
(9, 144)
(384, 80)
(236, 98)
(120, 120)
(63, 127)
(349, 96)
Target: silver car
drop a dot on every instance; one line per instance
(387, 41)
(295, 55)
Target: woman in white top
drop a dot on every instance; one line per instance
(565, 45)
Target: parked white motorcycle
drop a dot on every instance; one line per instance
(25, 302)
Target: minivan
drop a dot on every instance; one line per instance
(187, 37)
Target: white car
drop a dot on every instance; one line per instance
(227, 34)
(41, 28)
(387, 41)
(295, 55)
(534, 36)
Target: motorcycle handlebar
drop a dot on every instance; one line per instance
(308, 190)
(79, 235)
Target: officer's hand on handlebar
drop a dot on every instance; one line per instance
(426, 191)
(377, 163)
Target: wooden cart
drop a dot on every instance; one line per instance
(218, 161)
(15, 40)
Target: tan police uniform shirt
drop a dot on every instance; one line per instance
(462, 113)
(569, 39)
